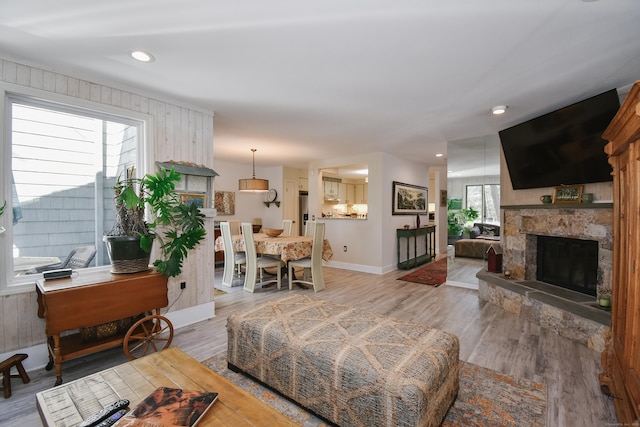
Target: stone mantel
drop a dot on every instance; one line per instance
(560, 206)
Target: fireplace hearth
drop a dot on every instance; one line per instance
(568, 263)
(586, 222)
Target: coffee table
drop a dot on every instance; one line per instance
(69, 404)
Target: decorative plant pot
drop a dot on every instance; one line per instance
(126, 255)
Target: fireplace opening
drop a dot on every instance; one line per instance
(568, 263)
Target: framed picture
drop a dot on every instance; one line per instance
(409, 199)
(225, 202)
(443, 198)
(568, 194)
(200, 200)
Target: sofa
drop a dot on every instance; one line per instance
(481, 238)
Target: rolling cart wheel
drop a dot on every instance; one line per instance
(148, 335)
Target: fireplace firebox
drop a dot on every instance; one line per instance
(568, 263)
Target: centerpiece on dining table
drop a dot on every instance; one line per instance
(273, 232)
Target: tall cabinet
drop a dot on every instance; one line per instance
(621, 358)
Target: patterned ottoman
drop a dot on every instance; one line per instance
(351, 367)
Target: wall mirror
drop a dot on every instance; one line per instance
(473, 192)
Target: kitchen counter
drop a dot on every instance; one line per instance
(342, 217)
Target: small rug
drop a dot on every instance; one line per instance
(486, 399)
(434, 274)
(217, 292)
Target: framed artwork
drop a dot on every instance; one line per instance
(409, 199)
(568, 194)
(443, 198)
(225, 202)
(200, 200)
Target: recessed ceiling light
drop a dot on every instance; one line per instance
(439, 155)
(498, 109)
(142, 56)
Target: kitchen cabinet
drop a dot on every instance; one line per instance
(331, 190)
(360, 193)
(350, 194)
(342, 193)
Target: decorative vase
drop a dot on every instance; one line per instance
(126, 255)
(546, 199)
(604, 302)
(417, 220)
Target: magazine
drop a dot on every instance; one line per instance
(169, 407)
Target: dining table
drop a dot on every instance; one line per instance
(286, 247)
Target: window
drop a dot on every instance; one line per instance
(485, 198)
(64, 163)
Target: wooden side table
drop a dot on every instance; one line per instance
(93, 298)
(411, 235)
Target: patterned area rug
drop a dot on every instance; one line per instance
(434, 274)
(486, 399)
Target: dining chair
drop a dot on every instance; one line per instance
(234, 224)
(231, 257)
(308, 228)
(314, 263)
(254, 263)
(287, 226)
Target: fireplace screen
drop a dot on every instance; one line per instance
(569, 263)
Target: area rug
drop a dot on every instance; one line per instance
(217, 292)
(486, 399)
(434, 274)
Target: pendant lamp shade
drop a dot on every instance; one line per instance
(253, 185)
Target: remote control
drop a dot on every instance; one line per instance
(57, 274)
(107, 411)
(112, 419)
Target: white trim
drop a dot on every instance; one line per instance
(9, 284)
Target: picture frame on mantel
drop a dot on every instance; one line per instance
(409, 199)
(568, 194)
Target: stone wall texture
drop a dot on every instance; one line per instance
(521, 226)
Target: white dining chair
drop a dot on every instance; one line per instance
(234, 224)
(287, 226)
(231, 257)
(309, 227)
(314, 263)
(254, 263)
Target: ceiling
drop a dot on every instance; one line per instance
(303, 81)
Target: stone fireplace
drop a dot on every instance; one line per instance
(523, 225)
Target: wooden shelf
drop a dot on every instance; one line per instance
(268, 204)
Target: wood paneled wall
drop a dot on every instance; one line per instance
(179, 134)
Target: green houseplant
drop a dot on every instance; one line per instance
(179, 227)
(457, 220)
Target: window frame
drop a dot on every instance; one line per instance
(9, 93)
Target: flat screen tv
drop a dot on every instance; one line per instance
(564, 147)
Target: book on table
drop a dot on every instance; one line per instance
(169, 407)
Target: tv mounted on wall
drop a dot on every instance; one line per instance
(563, 147)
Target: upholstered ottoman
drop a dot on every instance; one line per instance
(351, 367)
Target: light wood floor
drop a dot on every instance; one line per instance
(489, 337)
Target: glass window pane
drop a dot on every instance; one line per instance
(64, 165)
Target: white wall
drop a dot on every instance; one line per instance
(371, 243)
(249, 205)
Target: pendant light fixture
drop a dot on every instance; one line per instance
(253, 185)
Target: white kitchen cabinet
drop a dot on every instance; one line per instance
(360, 194)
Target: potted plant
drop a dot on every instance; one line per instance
(457, 220)
(179, 227)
